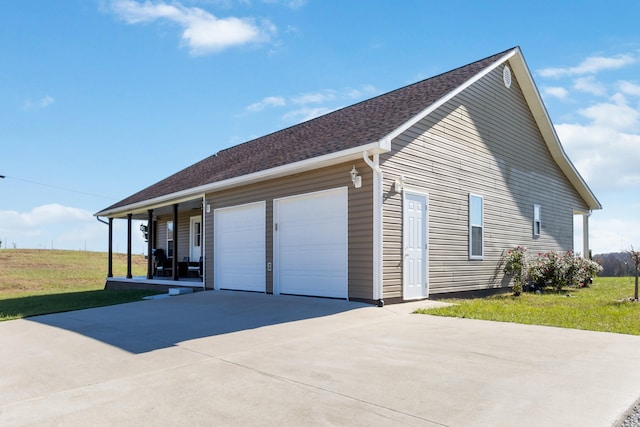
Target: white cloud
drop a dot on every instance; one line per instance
(296, 4)
(612, 235)
(62, 227)
(365, 90)
(589, 85)
(43, 102)
(269, 101)
(617, 116)
(293, 4)
(590, 65)
(629, 88)
(556, 92)
(606, 158)
(315, 97)
(305, 113)
(203, 33)
(324, 100)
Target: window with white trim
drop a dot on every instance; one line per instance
(169, 239)
(537, 223)
(476, 226)
(197, 233)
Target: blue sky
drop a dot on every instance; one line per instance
(101, 98)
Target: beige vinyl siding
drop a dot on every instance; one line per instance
(183, 233)
(484, 141)
(360, 222)
(160, 231)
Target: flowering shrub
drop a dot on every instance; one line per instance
(549, 269)
(585, 269)
(558, 270)
(515, 265)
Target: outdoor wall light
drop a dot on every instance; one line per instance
(355, 178)
(398, 184)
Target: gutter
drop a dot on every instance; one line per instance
(285, 170)
(378, 293)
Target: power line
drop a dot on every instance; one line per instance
(102, 196)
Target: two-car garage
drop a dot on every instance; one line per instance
(310, 245)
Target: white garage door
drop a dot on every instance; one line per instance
(239, 248)
(311, 244)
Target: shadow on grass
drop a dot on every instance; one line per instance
(166, 322)
(33, 305)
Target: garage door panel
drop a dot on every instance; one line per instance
(312, 244)
(239, 253)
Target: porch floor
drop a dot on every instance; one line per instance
(157, 283)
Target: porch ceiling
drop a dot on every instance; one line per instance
(193, 206)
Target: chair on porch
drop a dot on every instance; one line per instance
(164, 266)
(193, 267)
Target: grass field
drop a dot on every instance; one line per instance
(36, 282)
(604, 306)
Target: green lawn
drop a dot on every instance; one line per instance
(604, 306)
(36, 282)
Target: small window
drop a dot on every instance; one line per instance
(169, 239)
(476, 227)
(537, 224)
(196, 234)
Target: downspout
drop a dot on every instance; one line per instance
(378, 293)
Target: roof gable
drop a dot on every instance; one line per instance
(363, 123)
(373, 121)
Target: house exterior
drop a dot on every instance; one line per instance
(412, 193)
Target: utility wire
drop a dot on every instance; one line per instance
(102, 196)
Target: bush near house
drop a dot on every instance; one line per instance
(550, 269)
(603, 306)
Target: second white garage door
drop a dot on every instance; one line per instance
(310, 244)
(239, 248)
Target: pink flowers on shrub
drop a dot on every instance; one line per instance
(549, 269)
(516, 265)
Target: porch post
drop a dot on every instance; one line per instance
(174, 264)
(149, 244)
(585, 235)
(203, 246)
(129, 218)
(110, 255)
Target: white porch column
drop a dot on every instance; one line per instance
(585, 234)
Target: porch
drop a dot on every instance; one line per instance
(162, 284)
(174, 236)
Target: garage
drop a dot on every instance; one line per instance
(310, 244)
(239, 247)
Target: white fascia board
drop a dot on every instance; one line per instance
(277, 172)
(385, 142)
(541, 116)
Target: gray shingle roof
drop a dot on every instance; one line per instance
(359, 124)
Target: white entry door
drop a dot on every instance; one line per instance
(195, 238)
(415, 242)
(310, 244)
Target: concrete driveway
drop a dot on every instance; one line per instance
(234, 358)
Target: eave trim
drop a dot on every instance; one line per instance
(280, 171)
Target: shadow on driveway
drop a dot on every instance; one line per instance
(145, 326)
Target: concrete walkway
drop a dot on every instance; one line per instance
(234, 358)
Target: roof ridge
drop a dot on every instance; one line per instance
(355, 125)
(405, 87)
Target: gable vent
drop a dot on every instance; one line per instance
(506, 76)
